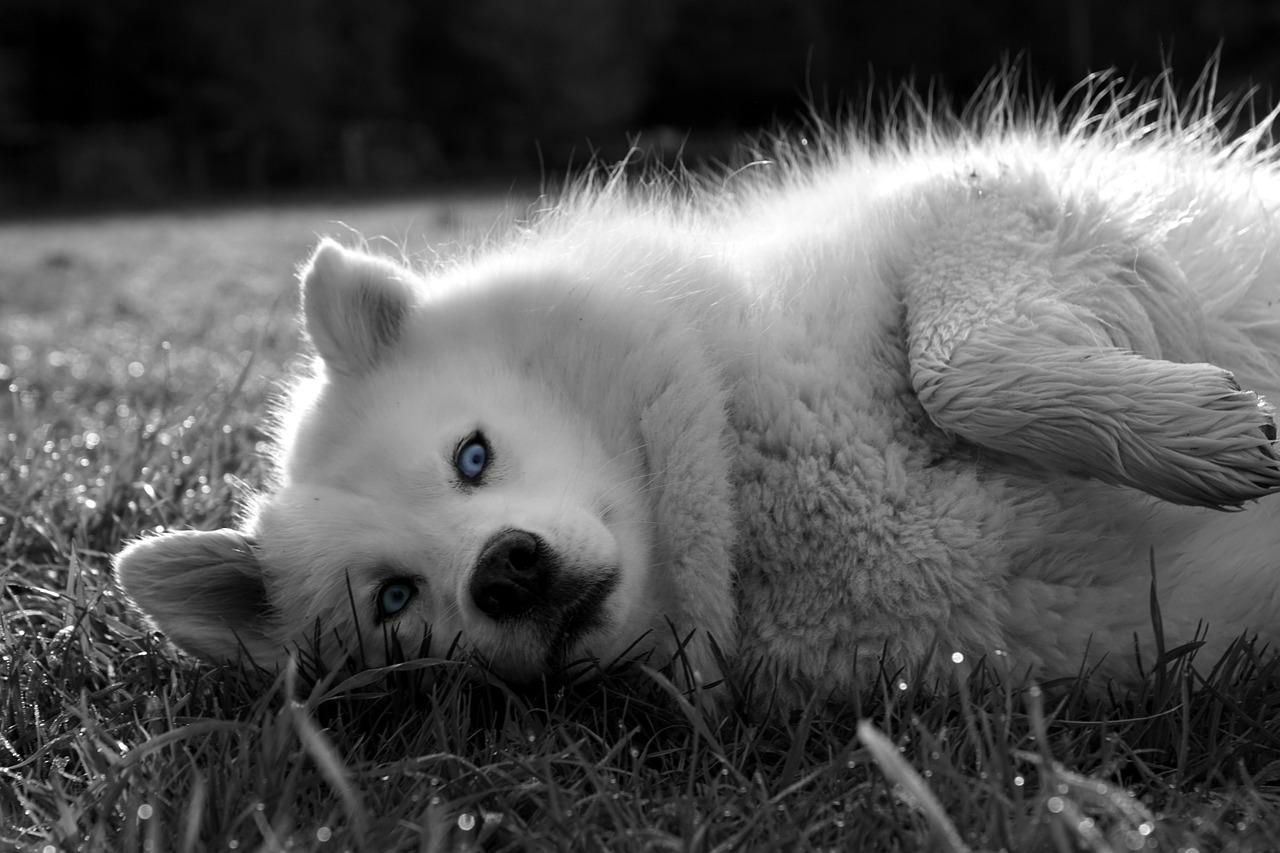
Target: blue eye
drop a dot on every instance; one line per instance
(394, 596)
(473, 457)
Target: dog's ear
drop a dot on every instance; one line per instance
(205, 591)
(354, 305)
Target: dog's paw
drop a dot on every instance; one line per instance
(1213, 442)
(1186, 433)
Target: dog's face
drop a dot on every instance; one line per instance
(444, 488)
(462, 500)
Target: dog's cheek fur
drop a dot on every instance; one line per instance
(684, 435)
(205, 590)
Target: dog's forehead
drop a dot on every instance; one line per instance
(439, 399)
(311, 533)
(394, 436)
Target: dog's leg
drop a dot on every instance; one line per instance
(1034, 334)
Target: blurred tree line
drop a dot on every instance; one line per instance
(151, 99)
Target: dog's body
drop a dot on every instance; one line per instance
(948, 395)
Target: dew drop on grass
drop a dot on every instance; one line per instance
(323, 834)
(902, 685)
(1055, 805)
(466, 821)
(144, 811)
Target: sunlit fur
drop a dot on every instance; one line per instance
(927, 397)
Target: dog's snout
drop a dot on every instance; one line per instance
(510, 577)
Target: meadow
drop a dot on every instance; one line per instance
(137, 357)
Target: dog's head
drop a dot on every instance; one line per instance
(496, 466)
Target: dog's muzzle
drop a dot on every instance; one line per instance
(521, 582)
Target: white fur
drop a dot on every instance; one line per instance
(942, 394)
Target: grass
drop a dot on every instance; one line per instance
(136, 356)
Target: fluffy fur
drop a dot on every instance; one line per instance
(945, 393)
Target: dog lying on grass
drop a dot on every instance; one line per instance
(895, 404)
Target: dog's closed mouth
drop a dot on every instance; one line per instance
(583, 613)
(557, 628)
(522, 586)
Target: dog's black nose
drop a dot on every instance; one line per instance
(510, 578)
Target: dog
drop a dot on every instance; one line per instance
(965, 393)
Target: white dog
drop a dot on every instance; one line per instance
(892, 404)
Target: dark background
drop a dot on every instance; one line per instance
(108, 102)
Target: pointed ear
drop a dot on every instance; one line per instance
(354, 305)
(205, 591)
